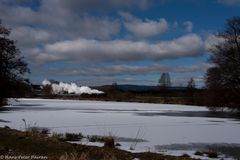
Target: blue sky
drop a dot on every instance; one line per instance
(96, 42)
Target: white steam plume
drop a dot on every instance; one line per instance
(70, 88)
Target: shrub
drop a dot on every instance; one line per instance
(73, 136)
(109, 142)
(58, 136)
(185, 155)
(198, 153)
(96, 138)
(37, 131)
(212, 154)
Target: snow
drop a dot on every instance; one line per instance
(154, 123)
(85, 141)
(191, 153)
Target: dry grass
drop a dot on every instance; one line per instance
(74, 156)
(20, 143)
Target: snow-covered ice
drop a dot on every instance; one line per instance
(156, 124)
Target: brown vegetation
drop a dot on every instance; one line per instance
(13, 142)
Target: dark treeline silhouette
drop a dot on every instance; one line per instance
(12, 67)
(223, 80)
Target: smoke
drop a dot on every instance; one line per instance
(71, 88)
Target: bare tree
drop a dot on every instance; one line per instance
(12, 66)
(191, 83)
(224, 78)
(165, 80)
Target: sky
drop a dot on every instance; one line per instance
(98, 42)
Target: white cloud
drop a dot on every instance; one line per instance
(30, 36)
(211, 41)
(144, 28)
(89, 38)
(120, 70)
(59, 22)
(188, 25)
(109, 80)
(101, 28)
(84, 50)
(17, 15)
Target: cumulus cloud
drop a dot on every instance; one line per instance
(109, 80)
(211, 41)
(70, 88)
(229, 2)
(73, 25)
(122, 70)
(17, 15)
(82, 31)
(93, 27)
(144, 28)
(126, 74)
(30, 36)
(85, 38)
(84, 50)
(188, 25)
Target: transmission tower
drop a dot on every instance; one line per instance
(165, 80)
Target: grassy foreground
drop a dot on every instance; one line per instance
(16, 144)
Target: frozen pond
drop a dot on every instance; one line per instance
(156, 124)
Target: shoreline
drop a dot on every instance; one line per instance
(16, 143)
(100, 100)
